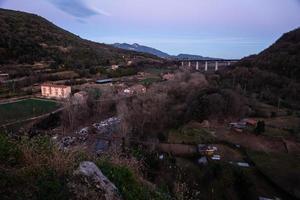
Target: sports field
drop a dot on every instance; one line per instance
(25, 109)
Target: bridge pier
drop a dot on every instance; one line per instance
(197, 66)
(189, 63)
(182, 64)
(217, 66)
(206, 66)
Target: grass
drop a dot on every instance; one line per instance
(156, 70)
(282, 169)
(127, 183)
(217, 180)
(25, 109)
(150, 81)
(190, 136)
(34, 169)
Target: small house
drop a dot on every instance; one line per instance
(250, 122)
(81, 97)
(3, 77)
(168, 76)
(115, 67)
(134, 90)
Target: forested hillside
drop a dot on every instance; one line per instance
(283, 57)
(28, 38)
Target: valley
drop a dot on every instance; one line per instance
(86, 120)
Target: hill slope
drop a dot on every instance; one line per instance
(283, 57)
(144, 49)
(141, 48)
(28, 38)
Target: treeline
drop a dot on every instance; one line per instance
(262, 85)
(171, 104)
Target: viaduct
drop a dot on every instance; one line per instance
(206, 65)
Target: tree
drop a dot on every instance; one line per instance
(260, 127)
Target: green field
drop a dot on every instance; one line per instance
(25, 109)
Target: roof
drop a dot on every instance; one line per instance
(54, 86)
(83, 93)
(250, 121)
(104, 81)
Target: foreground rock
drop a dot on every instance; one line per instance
(88, 182)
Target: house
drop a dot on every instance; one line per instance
(250, 122)
(130, 62)
(56, 91)
(3, 77)
(115, 67)
(81, 97)
(134, 90)
(168, 76)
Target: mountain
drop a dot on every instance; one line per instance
(193, 57)
(140, 48)
(283, 57)
(29, 38)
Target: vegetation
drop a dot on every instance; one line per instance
(25, 109)
(190, 136)
(34, 169)
(282, 57)
(282, 169)
(28, 38)
(130, 187)
(169, 105)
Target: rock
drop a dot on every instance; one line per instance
(88, 182)
(66, 142)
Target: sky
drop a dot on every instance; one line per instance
(215, 28)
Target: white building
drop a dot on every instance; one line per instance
(56, 91)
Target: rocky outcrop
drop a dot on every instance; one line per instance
(88, 182)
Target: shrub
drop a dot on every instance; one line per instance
(127, 183)
(9, 152)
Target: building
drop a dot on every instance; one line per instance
(104, 81)
(56, 91)
(168, 76)
(250, 122)
(80, 97)
(206, 150)
(134, 90)
(3, 77)
(115, 67)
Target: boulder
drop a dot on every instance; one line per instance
(88, 182)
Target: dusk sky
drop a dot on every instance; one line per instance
(216, 28)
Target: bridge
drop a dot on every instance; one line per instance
(207, 65)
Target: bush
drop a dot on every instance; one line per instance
(9, 152)
(127, 183)
(35, 169)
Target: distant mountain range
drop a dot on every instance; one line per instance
(156, 52)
